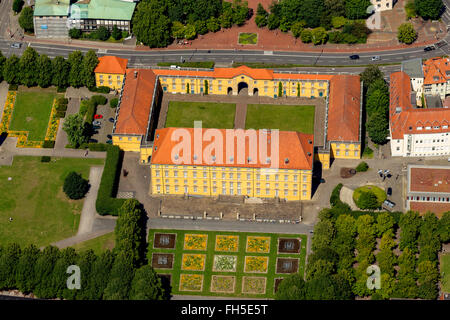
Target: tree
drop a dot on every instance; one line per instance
(385, 224)
(428, 9)
(75, 60)
(370, 75)
(320, 268)
(319, 35)
(75, 187)
(28, 67)
(356, 9)
(444, 227)
(61, 69)
(9, 259)
(88, 65)
(338, 22)
(150, 24)
(25, 278)
(116, 33)
(85, 260)
(99, 276)
(280, 89)
(377, 101)
(409, 229)
(67, 257)
(323, 234)
(367, 200)
(75, 33)
(45, 71)
(43, 273)
(213, 24)
(293, 287)
(102, 33)
(129, 231)
(378, 128)
(362, 167)
(17, 5)
(146, 285)
(273, 21)
(240, 12)
(11, 70)
(306, 36)
(335, 8)
(206, 87)
(2, 63)
(26, 19)
(200, 27)
(189, 32)
(406, 33)
(297, 28)
(178, 30)
(77, 131)
(261, 16)
(122, 273)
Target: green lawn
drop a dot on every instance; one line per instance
(445, 272)
(213, 115)
(210, 252)
(282, 117)
(380, 193)
(41, 212)
(248, 38)
(32, 112)
(99, 244)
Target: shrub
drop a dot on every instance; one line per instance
(75, 187)
(17, 5)
(13, 87)
(97, 146)
(116, 33)
(83, 107)
(99, 100)
(91, 109)
(75, 33)
(60, 114)
(61, 90)
(338, 22)
(306, 36)
(334, 198)
(362, 167)
(45, 159)
(101, 89)
(367, 200)
(406, 33)
(48, 144)
(102, 33)
(106, 203)
(114, 102)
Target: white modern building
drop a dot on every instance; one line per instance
(383, 5)
(415, 132)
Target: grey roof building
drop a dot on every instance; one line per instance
(413, 68)
(50, 18)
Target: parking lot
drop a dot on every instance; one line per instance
(105, 125)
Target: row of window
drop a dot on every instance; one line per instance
(231, 184)
(275, 83)
(347, 153)
(230, 191)
(228, 175)
(118, 78)
(428, 199)
(434, 127)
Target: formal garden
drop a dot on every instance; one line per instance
(248, 38)
(282, 117)
(238, 264)
(213, 115)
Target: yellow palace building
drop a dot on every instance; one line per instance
(110, 72)
(139, 103)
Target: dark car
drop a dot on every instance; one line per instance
(96, 127)
(109, 141)
(93, 140)
(389, 191)
(354, 57)
(429, 48)
(322, 180)
(109, 136)
(111, 119)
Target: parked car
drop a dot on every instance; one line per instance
(376, 58)
(93, 140)
(96, 123)
(389, 204)
(429, 48)
(16, 45)
(389, 191)
(354, 57)
(109, 136)
(109, 141)
(111, 120)
(322, 180)
(96, 127)
(98, 116)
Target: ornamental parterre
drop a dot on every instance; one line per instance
(225, 263)
(195, 241)
(193, 262)
(256, 264)
(227, 243)
(258, 244)
(191, 282)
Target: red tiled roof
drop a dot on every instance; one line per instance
(344, 108)
(297, 147)
(111, 64)
(435, 69)
(135, 105)
(435, 207)
(404, 119)
(428, 179)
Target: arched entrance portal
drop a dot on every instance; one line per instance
(255, 92)
(230, 91)
(243, 88)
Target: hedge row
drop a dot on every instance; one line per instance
(98, 146)
(106, 201)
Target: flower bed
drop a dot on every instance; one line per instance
(225, 263)
(7, 111)
(227, 243)
(254, 285)
(193, 262)
(256, 264)
(191, 282)
(223, 283)
(195, 241)
(258, 244)
(52, 128)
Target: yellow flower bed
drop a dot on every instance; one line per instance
(227, 243)
(258, 244)
(195, 241)
(22, 141)
(191, 282)
(256, 264)
(193, 262)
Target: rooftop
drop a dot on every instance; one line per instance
(436, 70)
(136, 102)
(434, 179)
(413, 68)
(295, 150)
(111, 64)
(103, 9)
(51, 7)
(424, 207)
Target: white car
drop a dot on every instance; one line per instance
(376, 58)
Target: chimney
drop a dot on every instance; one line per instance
(135, 74)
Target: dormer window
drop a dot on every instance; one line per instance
(419, 128)
(436, 127)
(428, 128)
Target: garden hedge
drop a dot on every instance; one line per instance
(48, 144)
(98, 146)
(106, 201)
(334, 198)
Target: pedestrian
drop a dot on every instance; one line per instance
(87, 151)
